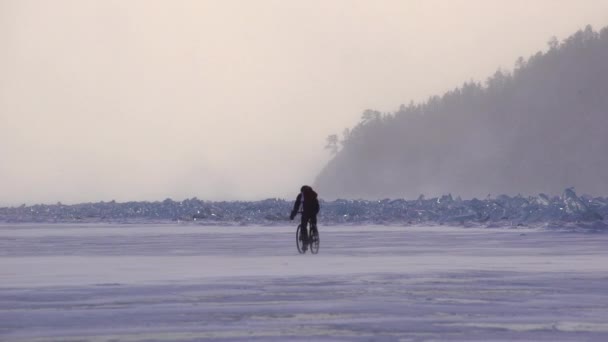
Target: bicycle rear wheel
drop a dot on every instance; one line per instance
(315, 241)
(299, 243)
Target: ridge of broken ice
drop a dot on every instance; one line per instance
(569, 208)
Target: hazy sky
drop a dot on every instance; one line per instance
(144, 100)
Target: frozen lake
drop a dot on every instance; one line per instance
(189, 283)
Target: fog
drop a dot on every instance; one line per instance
(225, 100)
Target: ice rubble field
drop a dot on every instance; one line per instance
(568, 209)
(174, 282)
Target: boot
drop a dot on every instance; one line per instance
(304, 240)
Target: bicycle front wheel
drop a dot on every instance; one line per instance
(299, 242)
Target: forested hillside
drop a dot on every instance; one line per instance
(540, 128)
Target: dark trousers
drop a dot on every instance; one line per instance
(313, 223)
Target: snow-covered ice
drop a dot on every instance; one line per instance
(186, 283)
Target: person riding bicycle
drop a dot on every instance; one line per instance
(310, 208)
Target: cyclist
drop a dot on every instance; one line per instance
(310, 208)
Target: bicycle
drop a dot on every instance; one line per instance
(312, 239)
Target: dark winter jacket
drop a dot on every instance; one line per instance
(310, 204)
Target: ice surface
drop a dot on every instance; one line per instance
(183, 282)
(565, 210)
